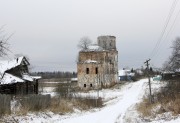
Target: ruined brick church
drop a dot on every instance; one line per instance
(97, 66)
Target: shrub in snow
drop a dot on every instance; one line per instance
(36, 102)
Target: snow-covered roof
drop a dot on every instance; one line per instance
(122, 72)
(94, 48)
(125, 73)
(27, 77)
(9, 79)
(36, 77)
(7, 65)
(30, 78)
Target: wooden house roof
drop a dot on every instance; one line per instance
(8, 78)
(7, 65)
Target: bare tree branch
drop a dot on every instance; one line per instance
(173, 62)
(84, 43)
(3, 42)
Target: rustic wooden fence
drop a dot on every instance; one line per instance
(5, 104)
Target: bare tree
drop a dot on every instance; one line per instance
(3, 42)
(173, 62)
(84, 43)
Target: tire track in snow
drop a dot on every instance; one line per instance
(131, 98)
(113, 113)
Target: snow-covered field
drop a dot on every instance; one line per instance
(119, 107)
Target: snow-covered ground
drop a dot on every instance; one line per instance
(48, 90)
(119, 107)
(113, 112)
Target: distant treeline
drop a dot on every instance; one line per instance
(58, 74)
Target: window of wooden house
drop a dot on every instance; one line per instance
(96, 70)
(87, 70)
(85, 85)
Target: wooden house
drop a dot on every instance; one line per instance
(15, 78)
(171, 75)
(125, 75)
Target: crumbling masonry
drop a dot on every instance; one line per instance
(98, 65)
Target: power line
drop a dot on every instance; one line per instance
(170, 30)
(164, 28)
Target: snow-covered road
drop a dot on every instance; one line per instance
(117, 105)
(115, 113)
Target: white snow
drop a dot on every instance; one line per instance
(48, 90)
(8, 78)
(94, 48)
(74, 79)
(90, 61)
(36, 77)
(125, 73)
(119, 107)
(122, 73)
(112, 113)
(117, 102)
(27, 77)
(6, 65)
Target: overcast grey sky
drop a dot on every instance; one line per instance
(48, 31)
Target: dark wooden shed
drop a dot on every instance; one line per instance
(15, 77)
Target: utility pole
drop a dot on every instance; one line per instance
(147, 64)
